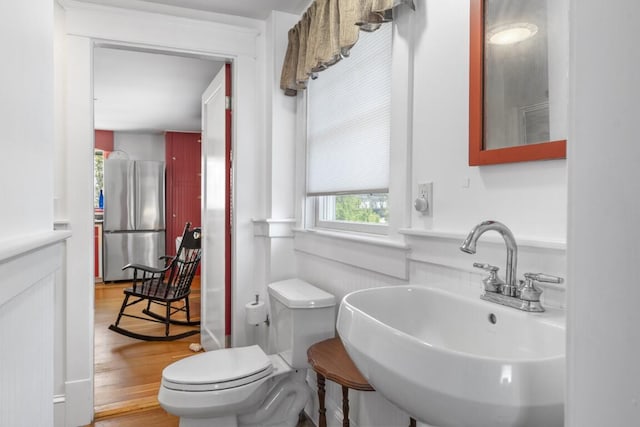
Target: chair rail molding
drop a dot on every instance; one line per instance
(271, 227)
(25, 261)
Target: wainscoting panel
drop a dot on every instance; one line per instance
(26, 357)
(27, 282)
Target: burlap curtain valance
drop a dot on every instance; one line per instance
(326, 33)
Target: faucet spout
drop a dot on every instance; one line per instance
(469, 246)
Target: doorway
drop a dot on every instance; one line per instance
(150, 102)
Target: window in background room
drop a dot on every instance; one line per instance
(348, 137)
(98, 177)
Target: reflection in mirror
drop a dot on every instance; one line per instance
(516, 101)
(518, 80)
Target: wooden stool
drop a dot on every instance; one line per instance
(330, 360)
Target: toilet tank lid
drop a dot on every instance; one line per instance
(296, 293)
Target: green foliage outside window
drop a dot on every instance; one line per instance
(367, 208)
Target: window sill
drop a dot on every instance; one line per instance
(531, 242)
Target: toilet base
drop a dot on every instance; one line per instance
(281, 406)
(227, 421)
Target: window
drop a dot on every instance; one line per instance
(98, 176)
(348, 137)
(367, 213)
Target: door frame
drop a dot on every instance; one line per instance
(85, 26)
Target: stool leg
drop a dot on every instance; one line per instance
(345, 406)
(322, 411)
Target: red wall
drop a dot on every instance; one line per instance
(104, 140)
(183, 197)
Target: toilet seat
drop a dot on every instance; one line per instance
(218, 370)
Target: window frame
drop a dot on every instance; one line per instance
(317, 202)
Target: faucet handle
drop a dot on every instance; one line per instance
(540, 277)
(492, 283)
(529, 291)
(487, 267)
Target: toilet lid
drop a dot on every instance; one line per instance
(218, 369)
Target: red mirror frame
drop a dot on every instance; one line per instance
(477, 155)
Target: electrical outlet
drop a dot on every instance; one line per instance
(425, 192)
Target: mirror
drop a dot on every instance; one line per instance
(518, 81)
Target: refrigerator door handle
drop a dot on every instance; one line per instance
(133, 195)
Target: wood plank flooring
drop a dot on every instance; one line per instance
(128, 371)
(152, 417)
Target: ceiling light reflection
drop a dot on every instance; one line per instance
(511, 33)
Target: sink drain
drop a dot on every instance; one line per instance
(492, 319)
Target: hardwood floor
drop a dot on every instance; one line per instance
(152, 417)
(128, 371)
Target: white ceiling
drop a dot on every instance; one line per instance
(256, 9)
(145, 91)
(141, 91)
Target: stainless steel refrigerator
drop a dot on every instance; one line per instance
(134, 218)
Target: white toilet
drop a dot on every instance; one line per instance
(243, 386)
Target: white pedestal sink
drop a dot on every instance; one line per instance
(451, 361)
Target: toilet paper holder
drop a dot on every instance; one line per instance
(256, 302)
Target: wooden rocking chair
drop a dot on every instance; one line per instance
(168, 287)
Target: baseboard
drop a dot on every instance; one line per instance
(59, 402)
(78, 402)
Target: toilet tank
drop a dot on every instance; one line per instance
(301, 315)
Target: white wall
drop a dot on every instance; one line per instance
(603, 315)
(59, 166)
(26, 117)
(140, 145)
(30, 255)
(531, 198)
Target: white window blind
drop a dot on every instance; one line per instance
(349, 120)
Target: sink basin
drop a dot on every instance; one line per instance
(453, 361)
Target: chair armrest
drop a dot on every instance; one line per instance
(167, 259)
(145, 268)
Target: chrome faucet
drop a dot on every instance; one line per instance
(469, 246)
(524, 297)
